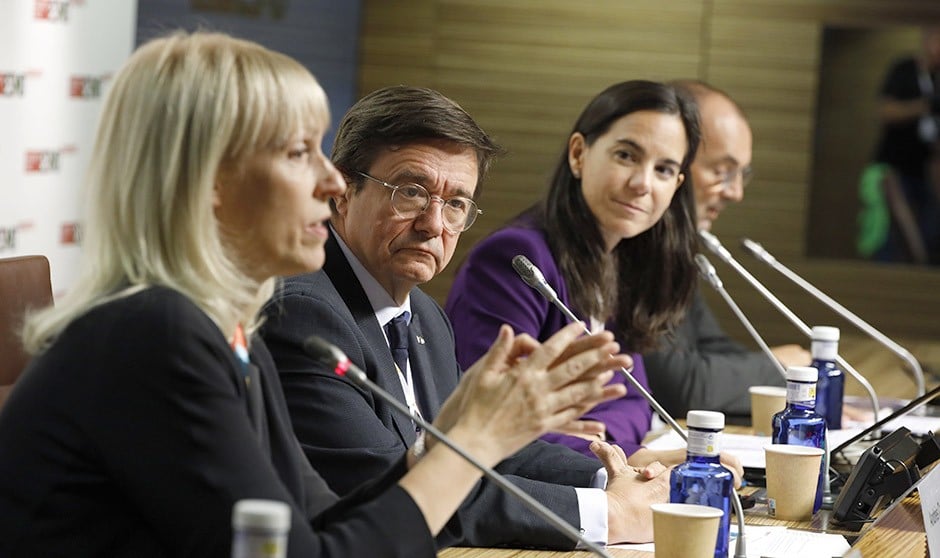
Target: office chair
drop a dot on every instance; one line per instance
(24, 284)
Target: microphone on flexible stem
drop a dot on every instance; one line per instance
(759, 252)
(534, 278)
(331, 356)
(713, 244)
(707, 271)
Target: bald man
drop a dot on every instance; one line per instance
(701, 367)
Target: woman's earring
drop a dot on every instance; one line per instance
(576, 173)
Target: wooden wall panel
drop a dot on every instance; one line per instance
(525, 68)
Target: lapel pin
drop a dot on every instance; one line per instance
(420, 339)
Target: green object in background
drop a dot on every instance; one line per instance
(874, 219)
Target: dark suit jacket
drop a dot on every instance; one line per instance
(135, 433)
(353, 436)
(703, 368)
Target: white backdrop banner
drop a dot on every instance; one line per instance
(56, 61)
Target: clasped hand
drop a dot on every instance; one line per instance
(521, 389)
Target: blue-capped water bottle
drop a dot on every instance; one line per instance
(799, 424)
(830, 387)
(702, 479)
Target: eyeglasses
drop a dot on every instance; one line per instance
(727, 177)
(410, 200)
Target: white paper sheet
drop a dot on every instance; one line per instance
(773, 542)
(929, 488)
(749, 449)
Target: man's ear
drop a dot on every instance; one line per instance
(576, 153)
(342, 202)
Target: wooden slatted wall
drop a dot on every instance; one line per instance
(525, 68)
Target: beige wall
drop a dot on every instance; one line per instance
(525, 68)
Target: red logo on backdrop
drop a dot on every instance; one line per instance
(51, 10)
(71, 233)
(12, 85)
(8, 235)
(42, 161)
(86, 87)
(7, 238)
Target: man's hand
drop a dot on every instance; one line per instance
(792, 355)
(630, 491)
(672, 457)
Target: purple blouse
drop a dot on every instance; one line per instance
(487, 293)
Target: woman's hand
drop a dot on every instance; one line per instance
(519, 389)
(590, 430)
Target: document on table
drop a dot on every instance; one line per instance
(774, 542)
(749, 449)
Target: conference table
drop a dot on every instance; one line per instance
(755, 516)
(898, 531)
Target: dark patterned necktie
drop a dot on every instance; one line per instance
(397, 332)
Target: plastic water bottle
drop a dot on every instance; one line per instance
(830, 387)
(702, 479)
(259, 529)
(799, 424)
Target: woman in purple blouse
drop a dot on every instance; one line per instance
(614, 236)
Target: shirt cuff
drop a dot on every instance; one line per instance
(592, 509)
(599, 480)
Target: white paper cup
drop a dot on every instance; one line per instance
(685, 530)
(766, 401)
(792, 476)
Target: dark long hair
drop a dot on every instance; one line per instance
(645, 284)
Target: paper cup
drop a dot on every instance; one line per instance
(685, 530)
(792, 476)
(766, 401)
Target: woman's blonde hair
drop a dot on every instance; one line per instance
(182, 106)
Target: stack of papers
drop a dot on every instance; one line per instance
(774, 542)
(749, 449)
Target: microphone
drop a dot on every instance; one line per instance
(331, 356)
(759, 252)
(534, 278)
(713, 244)
(707, 271)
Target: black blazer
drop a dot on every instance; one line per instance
(136, 432)
(700, 367)
(353, 436)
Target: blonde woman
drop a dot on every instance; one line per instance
(150, 408)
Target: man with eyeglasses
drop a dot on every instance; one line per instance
(414, 161)
(700, 367)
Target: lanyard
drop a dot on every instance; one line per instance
(240, 347)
